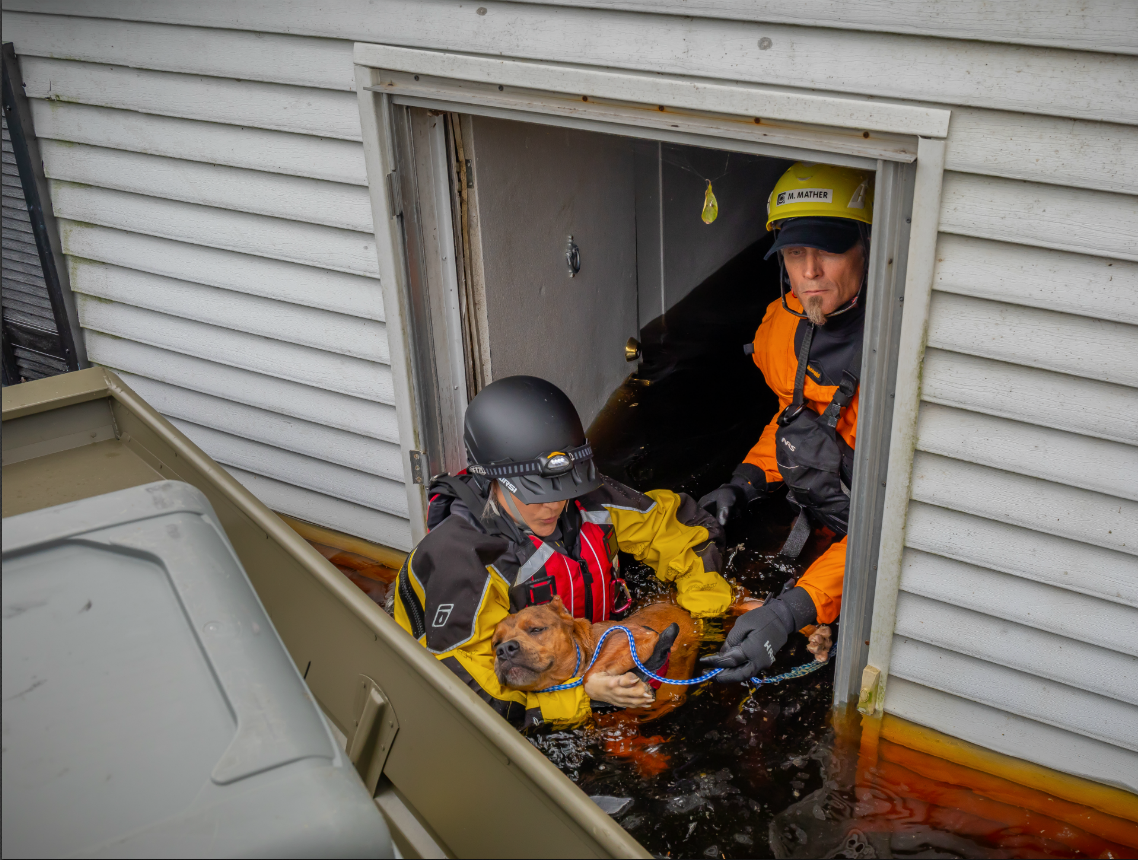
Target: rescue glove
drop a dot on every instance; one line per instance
(747, 484)
(759, 635)
(659, 655)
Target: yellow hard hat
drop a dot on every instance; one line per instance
(821, 191)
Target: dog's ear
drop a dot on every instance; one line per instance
(557, 606)
(660, 652)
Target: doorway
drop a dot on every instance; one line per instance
(523, 307)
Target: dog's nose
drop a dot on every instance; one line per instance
(506, 650)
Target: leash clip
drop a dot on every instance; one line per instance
(627, 595)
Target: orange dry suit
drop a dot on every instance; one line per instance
(829, 389)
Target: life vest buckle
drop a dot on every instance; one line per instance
(533, 592)
(540, 591)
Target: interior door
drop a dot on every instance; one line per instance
(535, 186)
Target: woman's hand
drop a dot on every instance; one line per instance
(623, 691)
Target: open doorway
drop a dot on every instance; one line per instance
(628, 115)
(562, 249)
(581, 250)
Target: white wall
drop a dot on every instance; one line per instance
(214, 211)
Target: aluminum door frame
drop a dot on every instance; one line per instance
(903, 144)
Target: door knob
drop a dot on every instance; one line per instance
(632, 349)
(573, 257)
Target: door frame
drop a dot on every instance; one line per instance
(903, 144)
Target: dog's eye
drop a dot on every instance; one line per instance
(533, 631)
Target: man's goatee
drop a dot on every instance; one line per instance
(813, 308)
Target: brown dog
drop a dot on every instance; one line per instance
(537, 648)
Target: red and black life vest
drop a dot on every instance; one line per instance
(586, 583)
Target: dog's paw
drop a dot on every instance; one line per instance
(820, 643)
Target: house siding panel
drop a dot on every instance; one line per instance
(213, 207)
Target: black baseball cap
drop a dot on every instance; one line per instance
(834, 235)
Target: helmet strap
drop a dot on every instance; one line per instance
(783, 283)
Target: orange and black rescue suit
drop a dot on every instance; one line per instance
(817, 471)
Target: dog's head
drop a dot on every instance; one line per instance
(534, 648)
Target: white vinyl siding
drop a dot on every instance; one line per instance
(1019, 584)
(1016, 621)
(213, 206)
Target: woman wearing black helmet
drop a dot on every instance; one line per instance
(531, 519)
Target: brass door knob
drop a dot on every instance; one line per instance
(632, 350)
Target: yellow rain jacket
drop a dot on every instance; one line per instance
(468, 574)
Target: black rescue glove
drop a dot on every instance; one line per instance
(747, 484)
(759, 634)
(660, 652)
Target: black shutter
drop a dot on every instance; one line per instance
(40, 327)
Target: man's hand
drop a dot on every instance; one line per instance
(751, 645)
(721, 502)
(760, 634)
(747, 484)
(622, 691)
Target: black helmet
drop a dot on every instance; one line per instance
(524, 432)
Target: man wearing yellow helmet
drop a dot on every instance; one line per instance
(809, 350)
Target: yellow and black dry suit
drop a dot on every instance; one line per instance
(470, 569)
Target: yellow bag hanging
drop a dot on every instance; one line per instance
(710, 205)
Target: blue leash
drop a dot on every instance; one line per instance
(798, 672)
